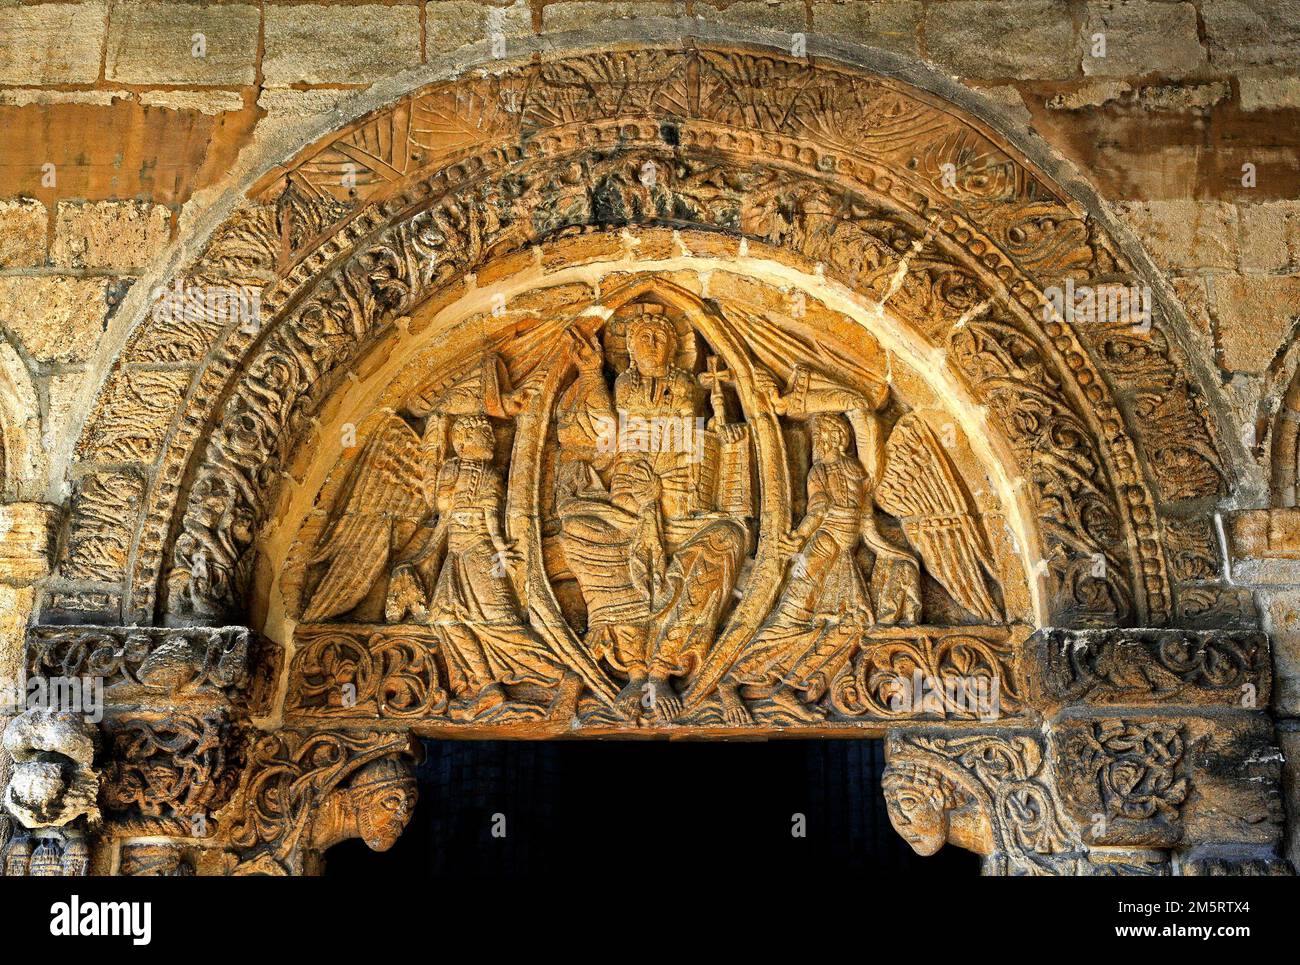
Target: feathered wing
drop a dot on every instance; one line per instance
(919, 486)
(384, 487)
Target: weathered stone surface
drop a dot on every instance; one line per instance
(1252, 314)
(1265, 91)
(1270, 237)
(996, 38)
(1009, 99)
(581, 14)
(27, 534)
(1236, 772)
(449, 24)
(1143, 38)
(205, 102)
(1289, 738)
(299, 103)
(100, 542)
(1103, 668)
(1282, 619)
(1184, 97)
(1185, 234)
(133, 417)
(305, 44)
(787, 15)
(15, 610)
(23, 225)
(1264, 534)
(145, 665)
(182, 43)
(892, 25)
(1091, 93)
(1124, 780)
(1243, 32)
(121, 235)
(57, 318)
(53, 43)
(25, 96)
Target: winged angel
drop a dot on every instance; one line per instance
(825, 606)
(434, 523)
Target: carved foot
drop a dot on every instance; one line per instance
(629, 698)
(787, 706)
(734, 711)
(665, 705)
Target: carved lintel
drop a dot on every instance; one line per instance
(140, 666)
(365, 672)
(1151, 667)
(948, 673)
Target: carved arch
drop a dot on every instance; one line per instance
(838, 174)
(864, 151)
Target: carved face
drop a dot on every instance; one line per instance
(384, 813)
(651, 344)
(473, 439)
(830, 440)
(917, 813)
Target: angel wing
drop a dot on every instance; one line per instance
(383, 488)
(919, 486)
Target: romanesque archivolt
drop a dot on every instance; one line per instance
(652, 512)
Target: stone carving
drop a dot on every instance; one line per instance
(172, 765)
(357, 671)
(1124, 779)
(640, 498)
(102, 541)
(958, 673)
(157, 860)
(854, 170)
(1145, 667)
(648, 445)
(303, 792)
(54, 780)
(988, 793)
(145, 664)
(52, 793)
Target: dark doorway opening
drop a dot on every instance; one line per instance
(516, 809)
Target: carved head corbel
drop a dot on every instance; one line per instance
(375, 805)
(929, 809)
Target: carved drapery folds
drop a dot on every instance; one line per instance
(654, 514)
(811, 441)
(844, 170)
